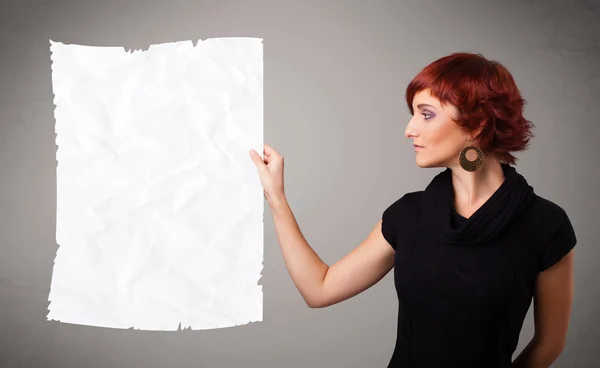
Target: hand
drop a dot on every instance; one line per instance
(270, 171)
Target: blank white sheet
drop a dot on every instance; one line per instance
(159, 206)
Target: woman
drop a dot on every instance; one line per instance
(470, 251)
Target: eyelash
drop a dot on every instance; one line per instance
(427, 114)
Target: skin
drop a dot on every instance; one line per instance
(432, 127)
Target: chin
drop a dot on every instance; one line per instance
(424, 166)
(428, 164)
(422, 163)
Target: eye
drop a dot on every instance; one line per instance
(427, 115)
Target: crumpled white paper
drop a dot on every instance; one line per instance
(159, 206)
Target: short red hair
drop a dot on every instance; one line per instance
(486, 96)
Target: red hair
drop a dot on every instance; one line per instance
(485, 95)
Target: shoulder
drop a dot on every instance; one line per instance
(546, 215)
(406, 204)
(407, 200)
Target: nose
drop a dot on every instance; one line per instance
(410, 132)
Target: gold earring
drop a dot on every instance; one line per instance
(471, 165)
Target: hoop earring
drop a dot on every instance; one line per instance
(471, 165)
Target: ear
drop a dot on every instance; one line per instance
(475, 133)
(472, 136)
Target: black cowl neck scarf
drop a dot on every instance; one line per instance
(505, 205)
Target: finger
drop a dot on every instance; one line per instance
(258, 161)
(269, 151)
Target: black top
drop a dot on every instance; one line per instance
(465, 285)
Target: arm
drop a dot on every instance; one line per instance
(319, 284)
(552, 309)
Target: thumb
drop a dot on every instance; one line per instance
(258, 161)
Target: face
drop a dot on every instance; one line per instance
(432, 128)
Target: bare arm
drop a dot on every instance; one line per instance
(319, 284)
(552, 310)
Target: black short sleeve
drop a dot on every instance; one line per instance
(399, 216)
(562, 242)
(388, 222)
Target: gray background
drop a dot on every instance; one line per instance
(335, 74)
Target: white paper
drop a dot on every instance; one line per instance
(159, 206)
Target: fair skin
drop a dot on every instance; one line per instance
(441, 139)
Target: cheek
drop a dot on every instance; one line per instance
(444, 137)
(439, 133)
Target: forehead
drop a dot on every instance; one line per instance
(424, 97)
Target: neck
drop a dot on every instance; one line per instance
(471, 189)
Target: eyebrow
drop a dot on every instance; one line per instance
(423, 105)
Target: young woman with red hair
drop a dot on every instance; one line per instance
(472, 250)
